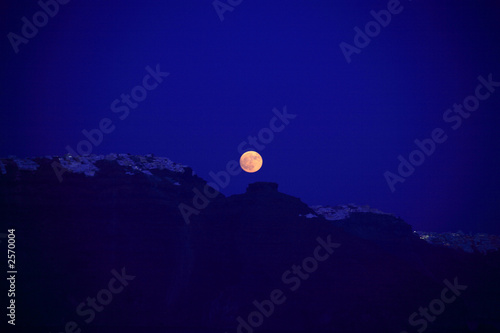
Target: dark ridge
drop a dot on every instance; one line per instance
(202, 277)
(262, 187)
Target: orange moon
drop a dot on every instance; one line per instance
(251, 161)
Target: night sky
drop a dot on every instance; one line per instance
(355, 113)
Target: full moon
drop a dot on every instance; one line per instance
(251, 161)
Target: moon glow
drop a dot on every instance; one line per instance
(251, 161)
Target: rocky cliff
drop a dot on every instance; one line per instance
(259, 261)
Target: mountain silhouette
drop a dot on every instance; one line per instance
(260, 261)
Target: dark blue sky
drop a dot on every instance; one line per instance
(225, 78)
